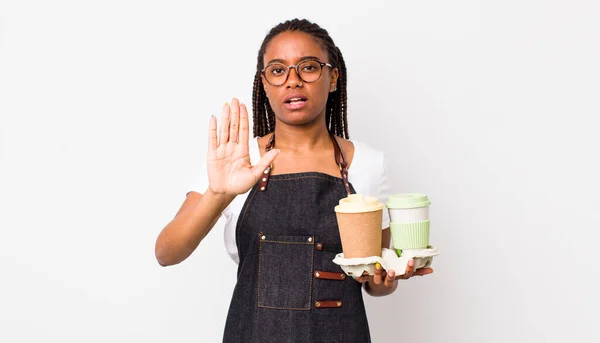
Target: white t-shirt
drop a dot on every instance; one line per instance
(367, 174)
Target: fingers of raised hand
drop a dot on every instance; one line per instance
(213, 140)
(225, 122)
(244, 131)
(234, 126)
(234, 123)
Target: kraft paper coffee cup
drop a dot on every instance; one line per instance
(359, 220)
(409, 220)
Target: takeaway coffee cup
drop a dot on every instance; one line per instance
(409, 220)
(359, 220)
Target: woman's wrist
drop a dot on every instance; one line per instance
(220, 199)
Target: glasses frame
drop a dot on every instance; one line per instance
(295, 67)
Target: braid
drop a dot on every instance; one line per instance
(342, 99)
(336, 108)
(257, 114)
(262, 114)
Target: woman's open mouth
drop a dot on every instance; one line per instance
(295, 103)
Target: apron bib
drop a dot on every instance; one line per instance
(288, 289)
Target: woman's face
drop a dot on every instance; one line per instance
(297, 102)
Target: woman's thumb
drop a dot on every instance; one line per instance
(265, 162)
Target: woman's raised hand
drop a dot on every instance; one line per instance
(229, 169)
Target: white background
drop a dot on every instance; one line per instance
(487, 106)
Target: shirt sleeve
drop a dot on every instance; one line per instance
(199, 182)
(385, 191)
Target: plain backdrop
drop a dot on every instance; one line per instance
(489, 107)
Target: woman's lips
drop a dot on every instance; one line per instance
(295, 104)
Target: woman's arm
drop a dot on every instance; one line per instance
(196, 217)
(229, 172)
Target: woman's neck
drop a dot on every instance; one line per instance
(301, 138)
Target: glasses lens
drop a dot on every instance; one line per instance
(276, 74)
(310, 71)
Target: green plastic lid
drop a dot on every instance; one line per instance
(408, 200)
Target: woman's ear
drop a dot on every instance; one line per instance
(333, 80)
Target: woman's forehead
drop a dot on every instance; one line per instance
(291, 46)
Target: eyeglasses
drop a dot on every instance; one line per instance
(309, 71)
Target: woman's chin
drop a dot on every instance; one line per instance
(297, 118)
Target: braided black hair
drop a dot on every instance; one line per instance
(337, 106)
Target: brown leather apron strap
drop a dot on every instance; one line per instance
(264, 179)
(340, 159)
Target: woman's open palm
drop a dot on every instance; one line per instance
(230, 171)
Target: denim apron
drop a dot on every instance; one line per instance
(288, 289)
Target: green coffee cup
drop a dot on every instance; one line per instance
(409, 221)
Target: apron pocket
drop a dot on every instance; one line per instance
(285, 272)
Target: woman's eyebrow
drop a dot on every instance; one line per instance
(304, 58)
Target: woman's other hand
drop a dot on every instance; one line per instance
(387, 278)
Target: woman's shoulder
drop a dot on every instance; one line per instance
(368, 172)
(364, 154)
